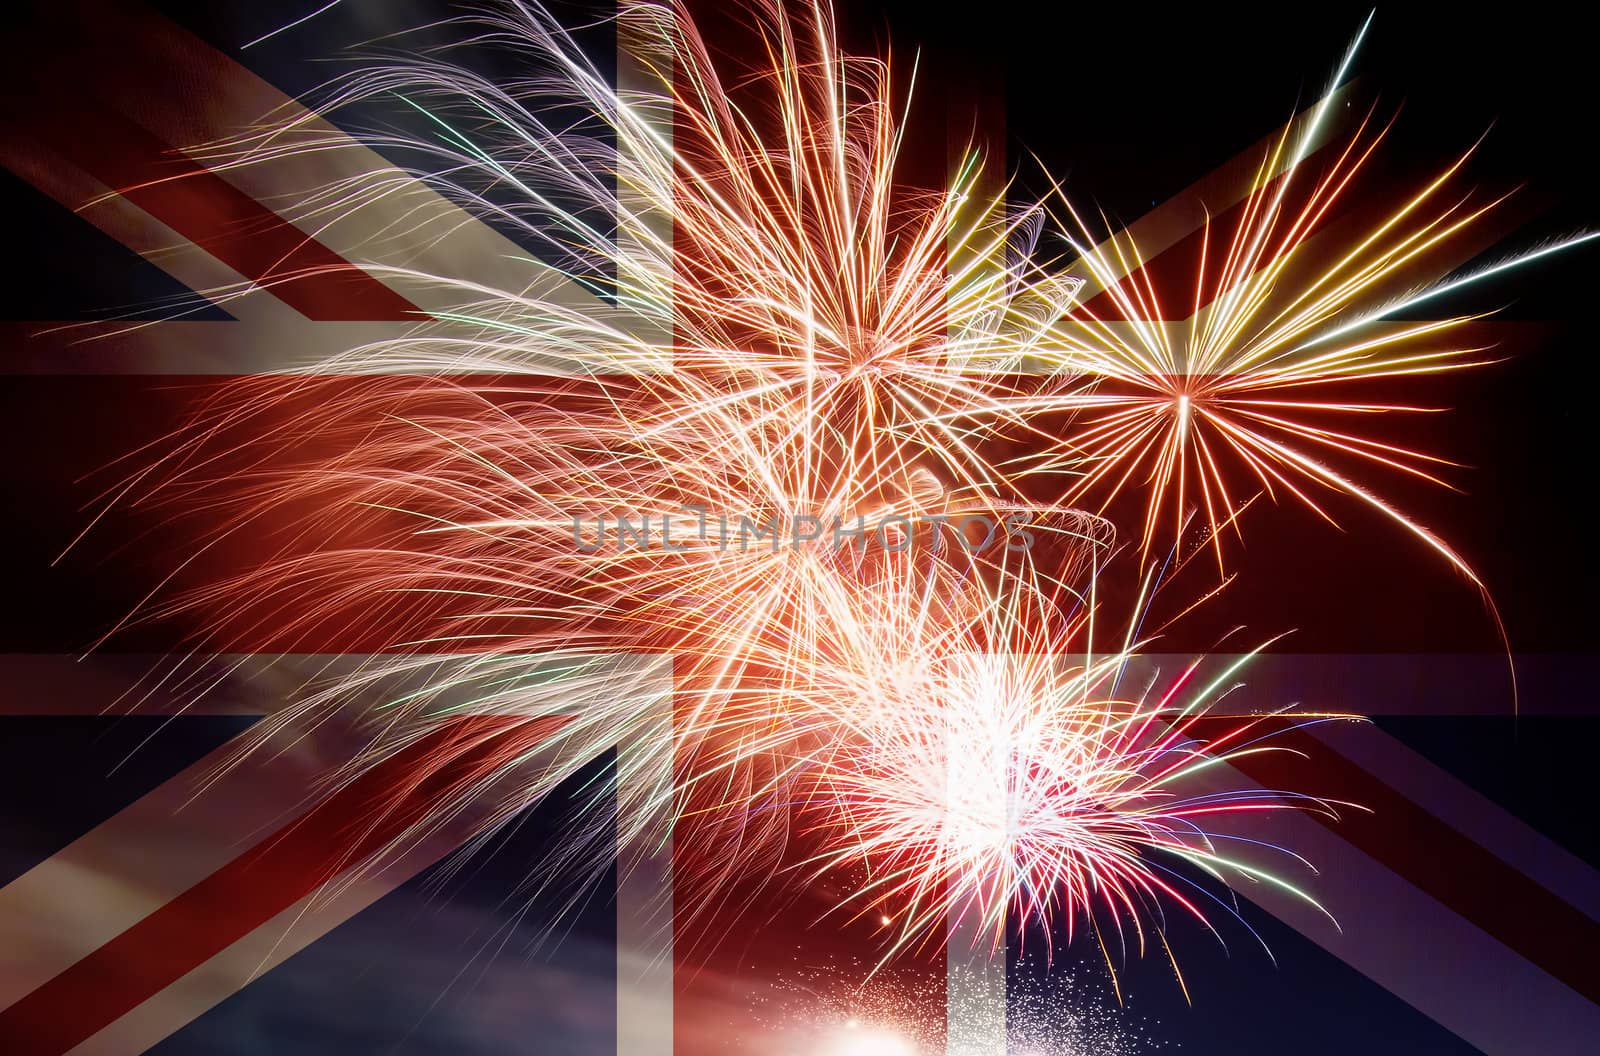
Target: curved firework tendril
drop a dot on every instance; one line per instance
(739, 307)
(1282, 317)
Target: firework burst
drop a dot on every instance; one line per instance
(987, 764)
(1246, 382)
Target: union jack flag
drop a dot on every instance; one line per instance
(159, 895)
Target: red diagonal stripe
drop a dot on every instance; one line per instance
(218, 217)
(71, 90)
(1471, 881)
(359, 821)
